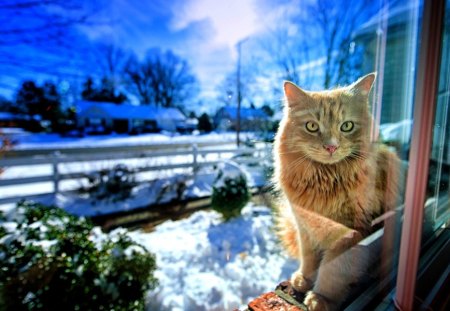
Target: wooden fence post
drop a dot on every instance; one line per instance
(55, 159)
(194, 158)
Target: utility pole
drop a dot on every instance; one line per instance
(238, 92)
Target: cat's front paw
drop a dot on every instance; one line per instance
(316, 302)
(348, 240)
(300, 283)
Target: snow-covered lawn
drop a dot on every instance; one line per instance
(41, 140)
(207, 264)
(152, 182)
(163, 189)
(203, 262)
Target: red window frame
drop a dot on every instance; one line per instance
(425, 107)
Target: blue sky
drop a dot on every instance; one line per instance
(204, 32)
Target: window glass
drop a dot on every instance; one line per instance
(437, 207)
(160, 116)
(384, 42)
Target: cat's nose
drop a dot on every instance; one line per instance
(330, 148)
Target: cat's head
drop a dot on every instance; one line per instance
(328, 126)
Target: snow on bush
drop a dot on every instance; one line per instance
(115, 184)
(207, 264)
(51, 260)
(230, 191)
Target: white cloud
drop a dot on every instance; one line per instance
(231, 20)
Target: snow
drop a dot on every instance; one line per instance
(229, 170)
(399, 131)
(203, 262)
(42, 140)
(152, 182)
(207, 264)
(156, 192)
(131, 250)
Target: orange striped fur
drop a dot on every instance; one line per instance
(333, 182)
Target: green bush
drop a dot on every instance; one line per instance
(230, 191)
(51, 260)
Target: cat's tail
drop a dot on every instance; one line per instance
(287, 229)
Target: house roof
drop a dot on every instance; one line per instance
(126, 111)
(7, 116)
(246, 113)
(12, 116)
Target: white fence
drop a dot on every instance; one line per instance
(57, 165)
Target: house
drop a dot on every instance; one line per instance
(398, 76)
(11, 120)
(251, 119)
(126, 118)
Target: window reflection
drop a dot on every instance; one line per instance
(323, 217)
(438, 190)
(348, 251)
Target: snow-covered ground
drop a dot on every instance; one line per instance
(157, 191)
(143, 195)
(207, 264)
(42, 140)
(203, 262)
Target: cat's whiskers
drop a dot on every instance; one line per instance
(295, 144)
(357, 156)
(362, 152)
(347, 162)
(297, 162)
(309, 164)
(290, 152)
(293, 148)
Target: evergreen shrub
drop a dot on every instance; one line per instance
(230, 191)
(51, 260)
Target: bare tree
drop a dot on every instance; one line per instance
(336, 22)
(288, 45)
(162, 78)
(110, 61)
(106, 80)
(44, 36)
(316, 40)
(243, 79)
(288, 52)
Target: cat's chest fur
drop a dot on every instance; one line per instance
(342, 192)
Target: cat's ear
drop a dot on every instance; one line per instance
(294, 94)
(363, 85)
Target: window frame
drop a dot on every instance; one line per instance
(425, 101)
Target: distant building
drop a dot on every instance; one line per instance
(251, 119)
(125, 118)
(11, 120)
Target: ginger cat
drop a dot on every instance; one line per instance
(334, 182)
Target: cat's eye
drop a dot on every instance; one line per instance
(312, 126)
(347, 126)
